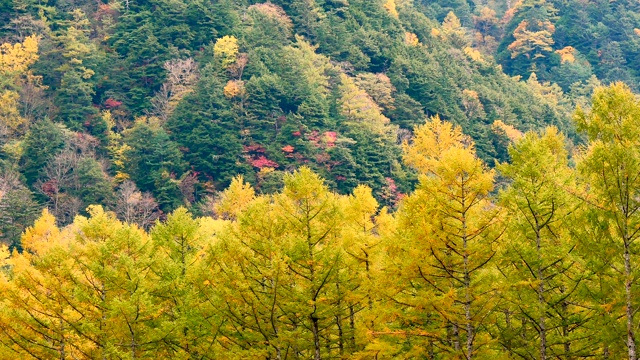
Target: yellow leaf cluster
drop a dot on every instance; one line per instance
(226, 49)
(266, 171)
(10, 120)
(359, 108)
(512, 133)
(43, 235)
(453, 31)
(473, 54)
(390, 6)
(13, 150)
(567, 54)
(235, 198)
(532, 43)
(233, 89)
(18, 57)
(431, 141)
(116, 148)
(546, 90)
(411, 39)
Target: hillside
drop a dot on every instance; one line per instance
(180, 96)
(319, 179)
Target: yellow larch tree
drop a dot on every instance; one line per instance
(15, 61)
(448, 228)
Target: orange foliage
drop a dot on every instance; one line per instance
(512, 133)
(234, 88)
(567, 54)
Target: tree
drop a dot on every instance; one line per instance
(74, 96)
(254, 282)
(34, 320)
(18, 209)
(93, 185)
(543, 314)
(189, 327)
(610, 167)
(453, 31)
(363, 245)
(528, 42)
(43, 141)
(359, 108)
(207, 133)
(154, 162)
(285, 278)
(182, 76)
(135, 207)
(91, 294)
(312, 220)
(447, 235)
(15, 61)
(113, 279)
(532, 41)
(226, 49)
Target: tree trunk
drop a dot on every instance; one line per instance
(541, 321)
(467, 282)
(631, 341)
(456, 337)
(316, 335)
(467, 302)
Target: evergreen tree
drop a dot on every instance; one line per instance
(41, 144)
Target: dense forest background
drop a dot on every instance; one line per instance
(309, 154)
(174, 98)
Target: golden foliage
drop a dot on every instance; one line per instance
(411, 39)
(43, 235)
(567, 54)
(226, 49)
(546, 90)
(14, 71)
(451, 218)
(532, 43)
(432, 140)
(235, 198)
(18, 57)
(11, 122)
(390, 6)
(512, 133)
(234, 88)
(453, 31)
(451, 23)
(473, 54)
(360, 109)
(116, 148)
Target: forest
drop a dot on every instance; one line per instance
(319, 179)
